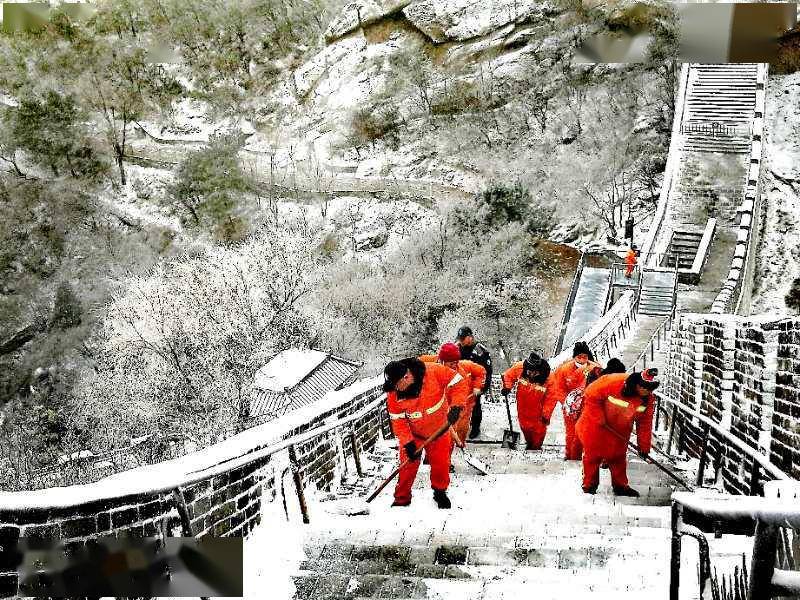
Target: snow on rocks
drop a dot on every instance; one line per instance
(460, 20)
(359, 13)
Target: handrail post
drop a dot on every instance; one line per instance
(675, 552)
(703, 456)
(672, 428)
(298, 484)
(356, 454)
(754, 479)
(762, 567)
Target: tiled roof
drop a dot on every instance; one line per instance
(331, 374)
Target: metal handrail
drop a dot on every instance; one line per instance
(766, 581)
(762, 461)
(573, 291)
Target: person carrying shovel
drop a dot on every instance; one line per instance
(531, 377)
(611, 407)
(423, 399)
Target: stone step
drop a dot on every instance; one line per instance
(487, 584)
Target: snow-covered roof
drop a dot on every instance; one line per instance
(287, 369)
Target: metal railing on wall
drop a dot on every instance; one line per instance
(573, 291)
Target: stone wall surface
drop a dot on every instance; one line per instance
(225, 504)
(743, 373)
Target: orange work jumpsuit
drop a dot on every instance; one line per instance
(605, 407)
(630, 261)
(562, 381)
(533, 403)
(416, 419)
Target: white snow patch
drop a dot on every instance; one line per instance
(287, 369)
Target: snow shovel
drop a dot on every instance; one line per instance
(394, 473)
(510, 437)
(476, 464)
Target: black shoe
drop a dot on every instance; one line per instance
(625, 491)
(398, 503)
(473, 433)
(590, 490)
(452, 469)
(442, 501)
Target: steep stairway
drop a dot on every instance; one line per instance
(719, 108)
(588, 304)
(525, 530)
(683, 246)
(657, 293)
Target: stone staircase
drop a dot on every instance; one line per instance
(683, 246)
(524, 530)
(719, 102)
(656, 294)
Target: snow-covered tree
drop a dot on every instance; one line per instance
(178, 348)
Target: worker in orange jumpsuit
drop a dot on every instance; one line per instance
(568, 376)
(533, 412)
(474, 377)
(630, 261)
(422, 398)
(611, 407)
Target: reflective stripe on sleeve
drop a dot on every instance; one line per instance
(395, 416)
(641, 408)
(618, 402)
(435, 407)
(455, 380)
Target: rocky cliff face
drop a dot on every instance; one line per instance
(779, 251)
(449, 42)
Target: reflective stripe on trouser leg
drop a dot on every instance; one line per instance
(619, 470)
(438, 452)
(591, 470)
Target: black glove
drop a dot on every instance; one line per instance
(504, 391)
(545, 420)
(411, 450)
(454, 413)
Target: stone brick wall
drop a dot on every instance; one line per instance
(740, 372)
(785, 442)
(228, 504)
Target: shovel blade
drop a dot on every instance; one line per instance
(476, 464)
(510, 439)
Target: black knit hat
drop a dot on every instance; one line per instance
(464, 331)
(532, 362)
(582, 348)
(614, 365)
(393, 372)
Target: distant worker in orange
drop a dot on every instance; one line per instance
(531, 376)
(611, 407)
(568, 376)
(630, 261)
(421, 398)
(474, 375)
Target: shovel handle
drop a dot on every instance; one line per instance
(455, 437)
(394, 473)
(649, 458)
